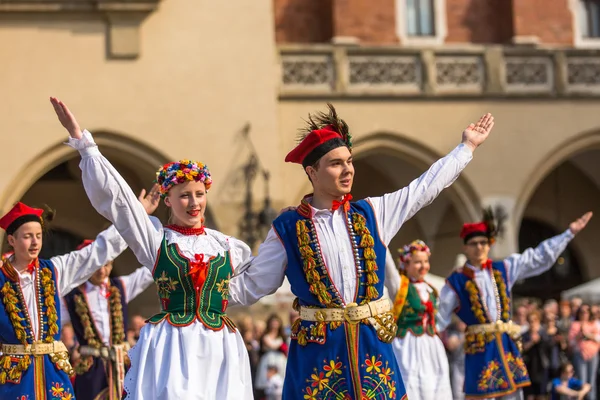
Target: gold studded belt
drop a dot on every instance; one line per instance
(107, 353)
(352, 313)
(509, 327)
(34, 349)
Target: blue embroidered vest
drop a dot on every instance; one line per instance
(336, 360)
(28, 376)
(493, 363)
(91, 379)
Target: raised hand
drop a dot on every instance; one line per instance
(580, 223)
(66, 118)
(475, 134)
(151, 200)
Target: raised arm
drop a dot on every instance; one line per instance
(448, 303)
(533, 262)
(393, 209)
(78, 266)
(136, 282)
(110, 195)
(260, 276)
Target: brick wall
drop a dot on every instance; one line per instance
(468, 21)
(550, 20)
(371, 21)
(303, 21)
(479, 21)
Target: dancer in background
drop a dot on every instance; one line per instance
(418, 349)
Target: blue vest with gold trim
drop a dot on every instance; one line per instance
(493, 363)
(336, 360)
(26, 376)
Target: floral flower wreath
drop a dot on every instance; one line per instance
(408, 250)
(174, 173)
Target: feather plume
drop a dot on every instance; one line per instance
(321, 120)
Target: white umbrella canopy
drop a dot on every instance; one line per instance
(589, 291)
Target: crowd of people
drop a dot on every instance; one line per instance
(560, 341)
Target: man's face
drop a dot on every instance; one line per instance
(477, 250)
(101, 275)
(26, 241)
(334, 174)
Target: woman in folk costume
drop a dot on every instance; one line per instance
(34, 363)
(97, 311)
(420, 352)
(191, 349)
(479, 293)
(333, 253)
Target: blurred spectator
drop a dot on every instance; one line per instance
(536, 346)
(274, 389)
(566, 387)
(273, 345)
(135, 326)
(584, 338)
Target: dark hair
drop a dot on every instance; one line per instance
(580, 310)
(564, 366)
(275, 317)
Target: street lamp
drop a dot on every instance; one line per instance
(254, 226)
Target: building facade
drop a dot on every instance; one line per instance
(229, 83)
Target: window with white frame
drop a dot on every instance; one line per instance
(420, 17)
(421, 22)
(588, 18)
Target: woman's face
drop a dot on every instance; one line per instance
(187, 202)
(274, 325)
(418, 265)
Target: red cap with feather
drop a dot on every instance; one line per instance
(324, 133)
(19, 215)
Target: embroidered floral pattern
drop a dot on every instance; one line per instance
(59, 392)
(165, 286)
(492, 378)
(517, 367)
(329, 381)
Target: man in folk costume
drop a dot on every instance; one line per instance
(34, 363)
(479, 293)
(333, 253)
(98, 312)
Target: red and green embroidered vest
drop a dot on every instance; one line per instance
(417, 317)
(181, 303)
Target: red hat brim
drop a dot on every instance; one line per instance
(313, 140)
(19, 210)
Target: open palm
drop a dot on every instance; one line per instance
(66, 118)
(475, 134)
(150, 200)
(580, 223)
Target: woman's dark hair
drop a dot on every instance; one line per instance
(581, 309)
